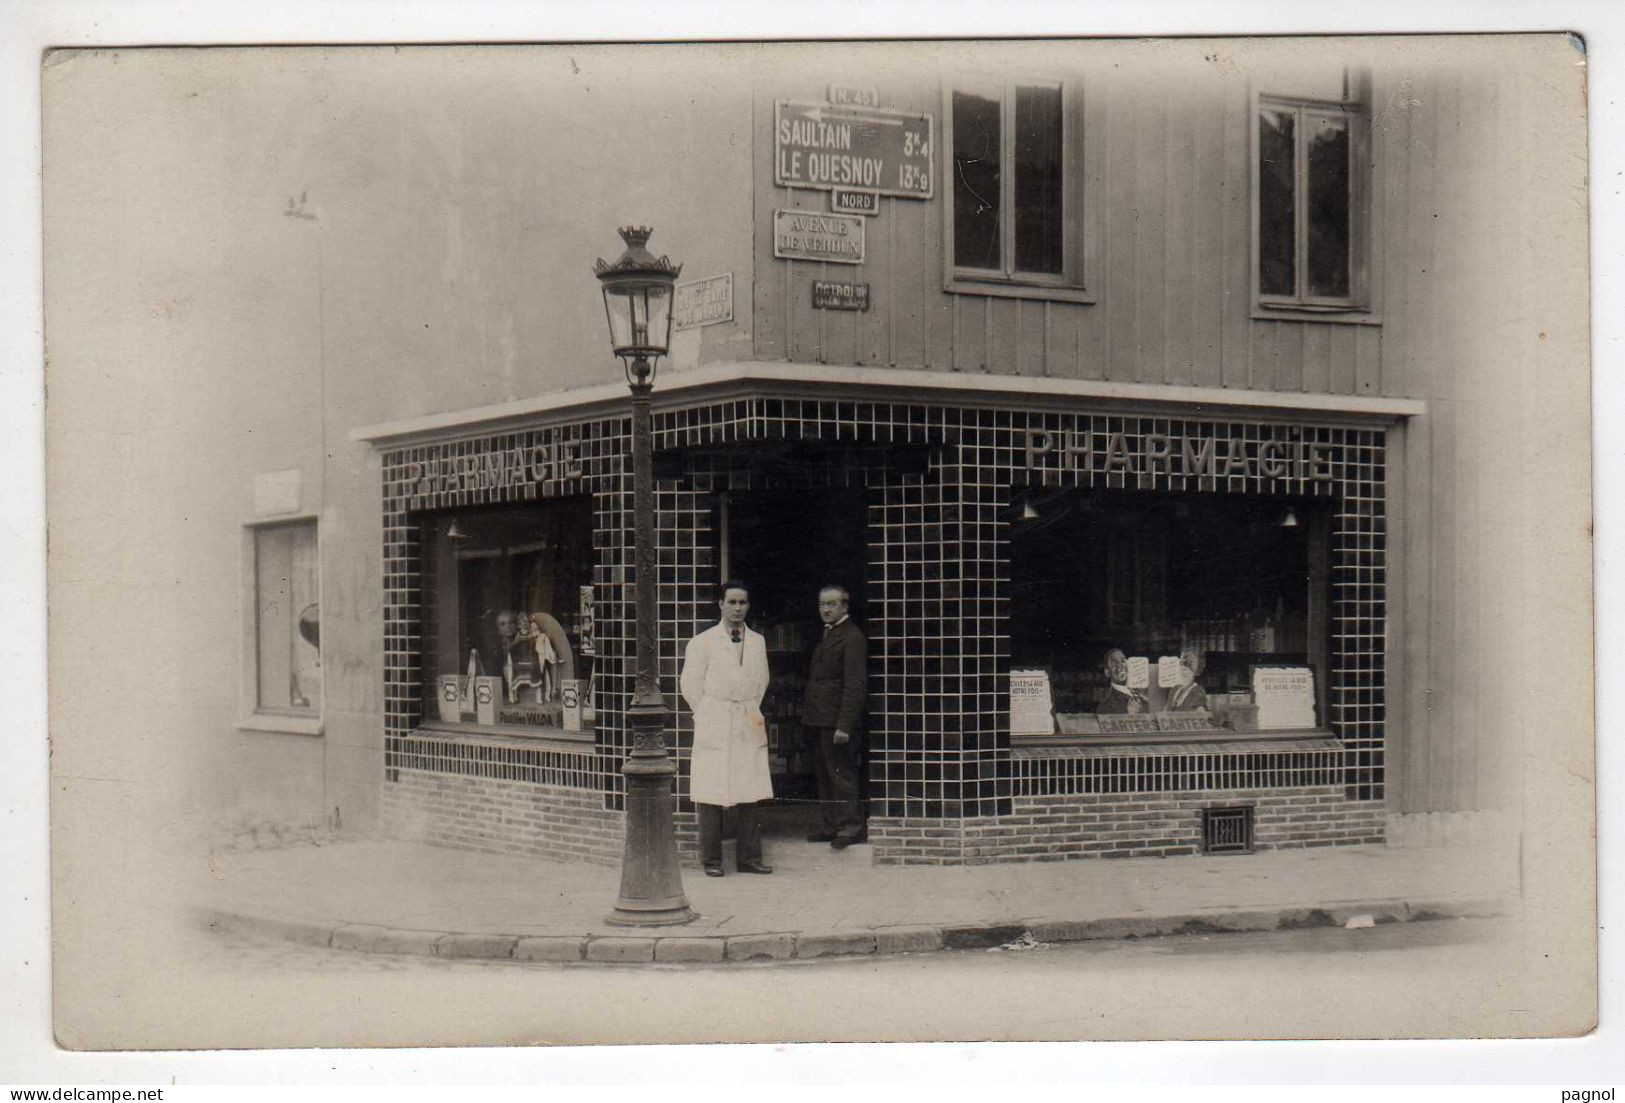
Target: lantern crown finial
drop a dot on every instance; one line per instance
(637, 257)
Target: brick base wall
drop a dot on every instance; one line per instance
(564, 824)
(1058, 828)
(514, 817)
(510, 817)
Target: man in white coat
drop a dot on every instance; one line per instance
(724, 679)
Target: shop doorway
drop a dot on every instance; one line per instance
(786, 543)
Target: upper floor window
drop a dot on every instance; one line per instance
(1311, 189)
(1009, 166)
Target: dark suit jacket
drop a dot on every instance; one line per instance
(838, 681)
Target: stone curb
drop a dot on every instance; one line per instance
(785, 945)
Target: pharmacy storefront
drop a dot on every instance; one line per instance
(1097, 628)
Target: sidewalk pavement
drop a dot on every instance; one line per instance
(399, 897)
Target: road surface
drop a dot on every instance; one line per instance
(1417, 979)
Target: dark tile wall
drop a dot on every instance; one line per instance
(937, 576)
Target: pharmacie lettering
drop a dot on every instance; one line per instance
(1165, 454)
(546, 462)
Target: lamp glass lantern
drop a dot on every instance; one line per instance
(637, 300)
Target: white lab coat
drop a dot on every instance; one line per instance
(724, 688)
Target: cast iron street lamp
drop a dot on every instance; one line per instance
(637, 298)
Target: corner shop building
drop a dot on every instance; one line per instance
(914, 496)
(1009, 475)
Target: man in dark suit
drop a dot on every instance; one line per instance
(832, 711)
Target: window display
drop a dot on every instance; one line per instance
(1158, 612)
(508, 621)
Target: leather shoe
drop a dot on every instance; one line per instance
(754, 867)
(713, 870)
(821, 837)
(841, 842)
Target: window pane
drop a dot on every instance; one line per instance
(504, 600)
(1039, 233)
(288, 625)
(1158, 574)
(1277, 238)
(976, 182)
(1328, 153)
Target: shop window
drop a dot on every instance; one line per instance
(508, 642)
(1011, 219)
(283, 682)
(1210, 591)
(1311, 187)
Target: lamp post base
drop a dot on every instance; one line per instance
(651, 886)
(670, 917)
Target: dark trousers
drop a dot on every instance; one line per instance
(748, 836)
(840, 797)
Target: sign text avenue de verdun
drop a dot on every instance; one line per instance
(820, 145)
(1166, 454)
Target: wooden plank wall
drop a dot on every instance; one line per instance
(1169, 171)
(1168, 165)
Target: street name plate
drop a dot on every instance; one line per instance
(846, 201)
(820, 145)
(840, 296)
(850, 95)
(813, 235)
(703, 302)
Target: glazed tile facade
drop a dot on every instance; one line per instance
(938, 480)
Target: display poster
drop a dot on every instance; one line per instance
(570, 697)
(450, 698)
(486, 692)
(1032, 710)
(1285, 696)
(588, 646)
(1168, 672)
(1139, 672)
